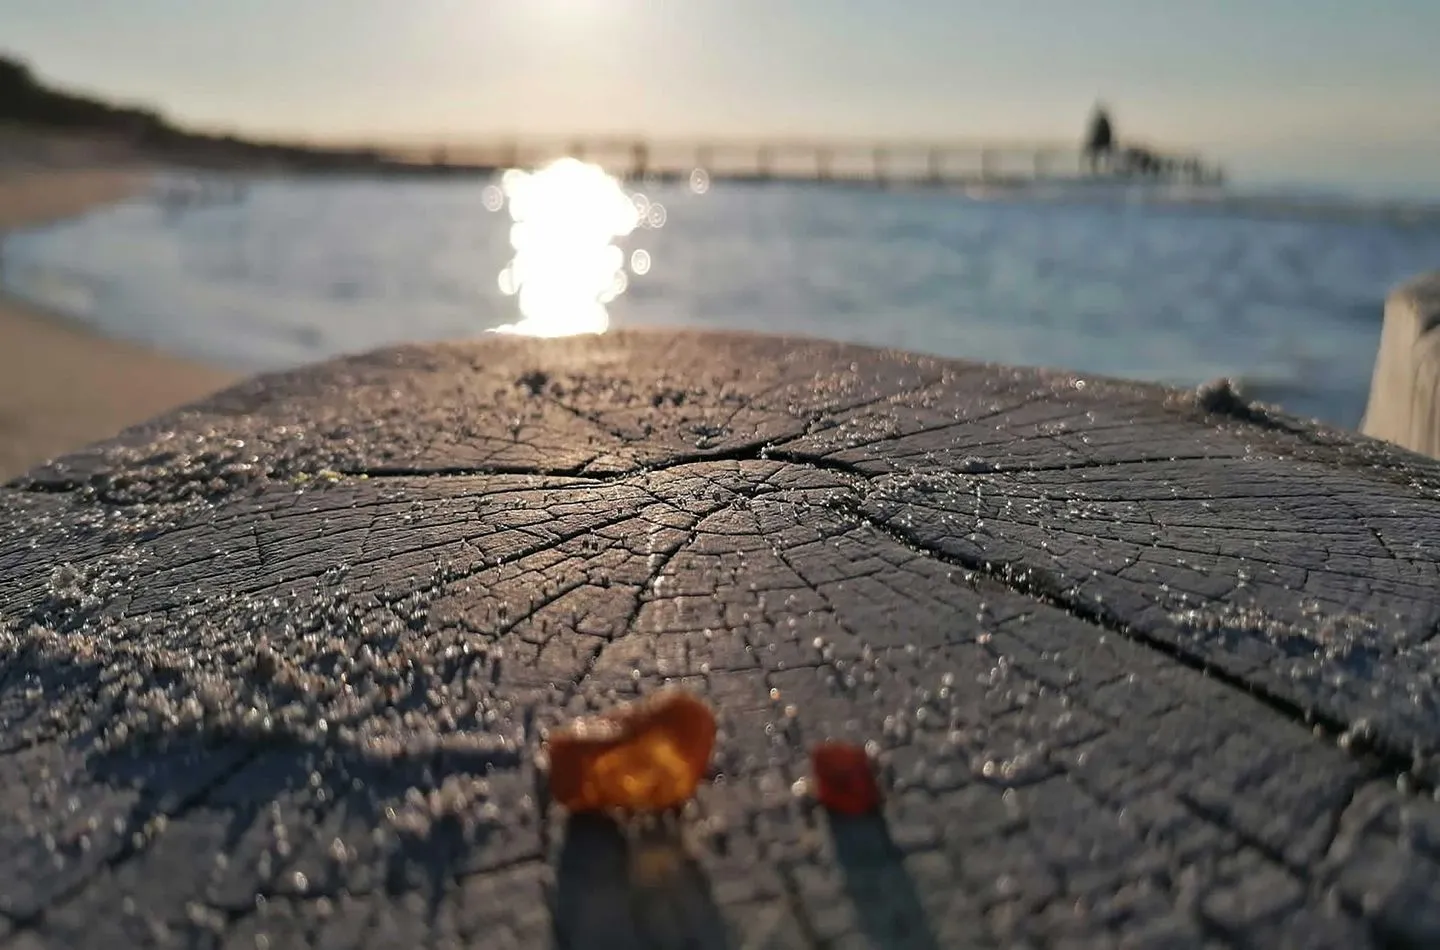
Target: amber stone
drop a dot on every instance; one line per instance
(649, 755)
(844, 780)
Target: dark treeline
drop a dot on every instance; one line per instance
(28, 102)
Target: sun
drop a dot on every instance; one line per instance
(565, 220)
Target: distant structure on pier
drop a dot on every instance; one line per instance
(1104, 156)
(1100, 140)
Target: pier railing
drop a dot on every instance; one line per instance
(935, 162)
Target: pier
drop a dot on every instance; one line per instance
(913, 162)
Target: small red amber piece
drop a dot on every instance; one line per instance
(844, 781)
(649, 755)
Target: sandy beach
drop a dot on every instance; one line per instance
(61, 385)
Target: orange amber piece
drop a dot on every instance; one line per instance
(648, 755)
(844, 781)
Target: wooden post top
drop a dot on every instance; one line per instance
(1134, 662)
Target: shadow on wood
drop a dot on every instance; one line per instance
(642, 889)
(880, 888)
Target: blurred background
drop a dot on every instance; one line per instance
(191, 192)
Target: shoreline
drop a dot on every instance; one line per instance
(62, 384)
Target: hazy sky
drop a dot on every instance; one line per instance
(1333, 89)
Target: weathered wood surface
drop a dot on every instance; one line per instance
(1143, 667)
(1404, 404)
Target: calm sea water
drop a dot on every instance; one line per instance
(1287, 300)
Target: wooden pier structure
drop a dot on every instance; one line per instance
(915, 162)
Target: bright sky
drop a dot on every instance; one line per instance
(1277, 88)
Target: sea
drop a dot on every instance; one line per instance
(1280, 290)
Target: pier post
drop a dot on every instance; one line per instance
(1404, 401)
(881, 158)
(935, 166)
(640, 160)
(824, 158)
(987, 164)
(764, 160)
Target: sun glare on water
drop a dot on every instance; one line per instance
(566, 218)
